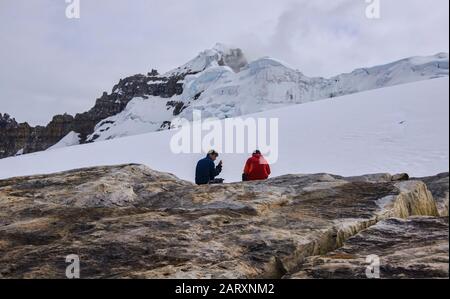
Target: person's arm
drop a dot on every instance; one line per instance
(246, 171)
(247, 167)
(214, 171)
(219, 168)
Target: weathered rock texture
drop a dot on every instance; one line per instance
(439, 187)
(413, 248)
(132, 222)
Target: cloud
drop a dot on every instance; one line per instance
(51, 65)
(324, 38)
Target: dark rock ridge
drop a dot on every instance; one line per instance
(132, 222)
(22, 138)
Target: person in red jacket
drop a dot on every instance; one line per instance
(257, 168)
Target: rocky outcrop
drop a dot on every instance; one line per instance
(142, 86)
(413, 248)
(132, 222)
(13, 136)
(439, 187)
(23, 139)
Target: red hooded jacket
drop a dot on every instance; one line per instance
(257, 168)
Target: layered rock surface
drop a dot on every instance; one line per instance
(132, 222)
(439, 187)
(413, 248)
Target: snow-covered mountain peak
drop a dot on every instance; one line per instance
(220, 83)
(266, 62)
(219, 55)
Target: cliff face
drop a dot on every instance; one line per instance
(13, 136)
(132, 222)
(22, 138)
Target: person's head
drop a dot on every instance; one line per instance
(257, 153)
(213, 155)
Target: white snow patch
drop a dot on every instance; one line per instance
(140, 116)
(397, 129)
(69, 140)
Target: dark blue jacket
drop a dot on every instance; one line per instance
(206, 171)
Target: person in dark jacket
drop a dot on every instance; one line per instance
(207, 171)
(257, 168)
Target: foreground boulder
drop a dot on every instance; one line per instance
(439, 187)
(132, 222)
(413, 248)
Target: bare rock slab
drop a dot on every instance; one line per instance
(412, 248)
(132, 222)
(439, 187)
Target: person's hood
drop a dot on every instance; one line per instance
(260, 158)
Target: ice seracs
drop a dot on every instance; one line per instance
(222, 84)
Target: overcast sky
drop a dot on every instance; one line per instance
(50, 64)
